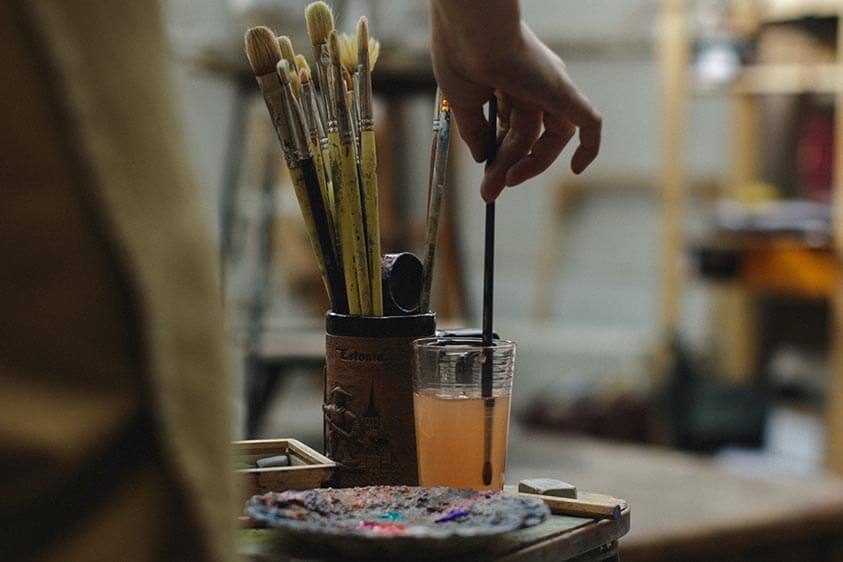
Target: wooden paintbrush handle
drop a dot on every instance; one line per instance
(297, 177)
(593, 506)
(437, 180)
(344, 220)
(336, 286)
(351, 198)
(324, 187)
(369, 165)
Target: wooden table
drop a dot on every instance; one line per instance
(559, 539)
(689, 508)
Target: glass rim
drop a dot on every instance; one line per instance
(461, 343)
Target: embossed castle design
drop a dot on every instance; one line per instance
(378, 454)
(357, 443)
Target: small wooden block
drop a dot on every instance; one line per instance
(548, 487)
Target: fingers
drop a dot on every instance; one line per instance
(546, 83)
(472, 125)
(581, 113)
(554, 139)
(524, 129)
(504, 110)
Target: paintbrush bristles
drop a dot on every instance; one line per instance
(320, 22)
(374, 51)
(283, 68)
(287, 50)
(348, 52)
(262, 50)
(334, 49)
(301, 62)
(288, 76)
(304, 75)
(365, 44)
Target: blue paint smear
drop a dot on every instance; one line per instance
(453, 516)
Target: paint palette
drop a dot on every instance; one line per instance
(392, 521)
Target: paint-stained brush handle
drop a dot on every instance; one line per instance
(336, 285)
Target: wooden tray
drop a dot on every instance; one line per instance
(308, 468)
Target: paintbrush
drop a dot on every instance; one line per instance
(351, 74)
(319, 146)
(320, 23)
(301, 63)
(441, 142)
(287, 52)
(263, 53)
(342, 212)
(289, 55)
(306, 183)
(369, 164)
(592, 506)
(488, 301)
(437, 111)
(351, 100)
(351, 210)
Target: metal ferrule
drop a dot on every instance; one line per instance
(321, 76)
(444, 106)
(273, 95)
(310, 111)
(355, 95)
(343, 119)
(367, 120)
(295, 116)
(323, 66)
(352, 108)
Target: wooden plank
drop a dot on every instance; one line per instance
(734, 340)
(786, 10)
(834, 406)
(770, 79)
(674, 48)
(745, 154)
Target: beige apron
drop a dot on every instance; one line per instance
(112, 371)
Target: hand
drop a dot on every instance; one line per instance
(481, 47)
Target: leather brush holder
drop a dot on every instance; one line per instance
(368, 400)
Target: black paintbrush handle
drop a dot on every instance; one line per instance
(336, 284)
(489, 250)
(488, 300)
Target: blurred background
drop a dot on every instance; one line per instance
(682, 295)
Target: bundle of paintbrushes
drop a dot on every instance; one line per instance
(323, 117)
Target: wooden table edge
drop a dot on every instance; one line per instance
(580, 540)
(824, 520)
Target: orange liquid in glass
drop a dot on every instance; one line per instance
(449, 440)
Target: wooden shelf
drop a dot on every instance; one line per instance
(789, 79)
(776, 11)
(781, 79)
